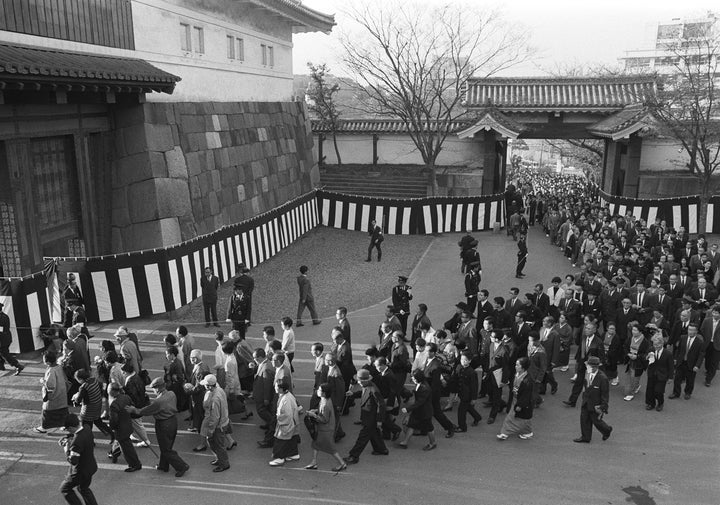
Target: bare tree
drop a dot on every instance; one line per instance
(586, 154)
(319, 95)
(686, 104)
(411, 62)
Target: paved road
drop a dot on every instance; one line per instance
(663, 458)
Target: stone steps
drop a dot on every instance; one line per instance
(369, 185)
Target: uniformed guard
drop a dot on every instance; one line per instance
(472, 285)
(401, 301)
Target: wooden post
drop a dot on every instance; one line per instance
(376, 137)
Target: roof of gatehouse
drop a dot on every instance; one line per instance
(558, 94)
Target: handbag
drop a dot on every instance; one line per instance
(311, 425)
(236, 405)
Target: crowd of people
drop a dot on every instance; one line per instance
(640, 300)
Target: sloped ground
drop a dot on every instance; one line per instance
(338, 272)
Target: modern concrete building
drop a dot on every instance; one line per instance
(135, 124)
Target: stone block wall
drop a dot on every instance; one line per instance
(186, 169)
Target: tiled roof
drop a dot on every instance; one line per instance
(304, 18)
(37, 66)
(558, 94)
(489, 118)
(374, 125)
(621, 124)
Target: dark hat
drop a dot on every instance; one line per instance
(363, 375)
(593, 360)
(462, 305)
(402, 278)
(474, 243)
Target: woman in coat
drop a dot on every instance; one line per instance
(565, 333)
(337, 392)
(399, 357)
(519, 419)
(324, 416)
(636, 349)
(287, 429)
(54, 394)
(421, 413)
(613, 353)
(175, 377)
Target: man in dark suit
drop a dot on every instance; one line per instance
(642, 302)
(520, 333)
(78, 446)
(387, 384)
(372, 412)
(664, 303)
(343, 323)
(688, 360)
(5, 341)
(573, 311)
(540, 299)
(710, 331)
(73, 298)
(624, 316)
(485, 308)
(513, 304)
(660, 369)
(590, 345)
(306, 298)
(434, 370)
(703, 296)
(679, 330)
(503, 319)
(209, 284)
(594, 402)
(376, 238)
(610, 302)
(343, 354)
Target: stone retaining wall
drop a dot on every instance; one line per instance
(186, 169)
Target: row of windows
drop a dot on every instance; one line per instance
(192, 39)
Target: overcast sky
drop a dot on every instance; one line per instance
(565, 32)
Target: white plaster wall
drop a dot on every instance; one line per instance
(399, 150)
(660, 155)
(207, 77)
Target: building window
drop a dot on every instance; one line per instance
(267, 55)
(198, 40)
(263, 54)
(240, 54)
(235, 48)
(185, 42)
(271, 56)
(230, 47)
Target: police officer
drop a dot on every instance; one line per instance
(401, 301)
(521, 256)
(472, 285)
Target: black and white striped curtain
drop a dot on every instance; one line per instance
(25, 302)
(678, 211)
(410, 216)
(144, 283)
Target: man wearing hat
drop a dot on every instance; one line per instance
(128, 349)
(469, 255)
(472, 285)
(453, 323)
(401, 301)
(215, 422)
(372, 413)
(594, 402)
(247, 286)
(164, 409)
(5, 341)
